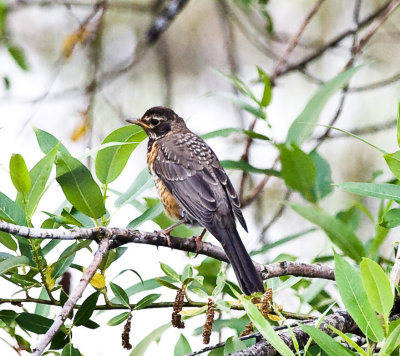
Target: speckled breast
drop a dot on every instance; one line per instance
(171, 206)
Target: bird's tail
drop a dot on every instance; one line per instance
(249, 279)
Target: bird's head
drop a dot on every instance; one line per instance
(159, 121)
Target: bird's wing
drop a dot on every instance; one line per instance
(193, 175)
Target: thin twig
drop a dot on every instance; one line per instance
(295, 40)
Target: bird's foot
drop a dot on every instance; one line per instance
(198, 240)
(167, 232)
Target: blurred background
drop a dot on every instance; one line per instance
(79, 68)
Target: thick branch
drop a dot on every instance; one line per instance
(341, 320)
(119, 236)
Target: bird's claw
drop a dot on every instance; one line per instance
(198, 241)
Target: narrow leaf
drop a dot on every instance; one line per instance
(14, 261)
(298, 169)
(337, 231)
(355, 299)
(303, 126)
(377, 286)
(169, 272)
(247, 167)
(86, 310)
(376, 190)
(147, 300)
(329, 345)
(265, 328)
(33, 322)
(118, 319)
(155, 335)
(120, 294)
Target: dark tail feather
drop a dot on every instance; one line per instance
(249, 279)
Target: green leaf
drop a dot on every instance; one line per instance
(79, 186)
(355, 299)
(147, 300)
(86, 310)
(347, 339)
(247, 167)
(169, 272)
(182, 347)
(281, 241)
(329, 345)
(377, 286)
(39, 176)
(42, 309)
(257, 112)
(118, 319)
(70, 350)
(323, 182)
(393, 162)
(120, 294)
(59, 267)
(391, 219)
(166, 284)
(33, 322)
(337, 231)
(149, 214)
(19, 174)
(392, 342)
(8, 315)
(8, 241)
(111, 161)
(142, 182)
(11, 212)
(266, 330)
(267, 93)
(302, 128)
(232, 345)
(376, 190)
(155, 335)
(221, 279)
(298, 169)
(14, 261)
(17, 53)
(47, 142)
(228, 131)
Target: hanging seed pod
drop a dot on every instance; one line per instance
(247, 330)
(266, 303)
(177, 308)
(125, 335)
(207, 328)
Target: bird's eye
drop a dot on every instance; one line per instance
(154, 122)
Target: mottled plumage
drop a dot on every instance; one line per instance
(193, 185)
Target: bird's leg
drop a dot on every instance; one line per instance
(198, 240)
(168, 230)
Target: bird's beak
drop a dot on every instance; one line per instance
(134, 122)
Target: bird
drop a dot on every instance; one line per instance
(194, 188)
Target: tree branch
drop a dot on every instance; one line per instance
(119, 237)
(341, 320)
(73, 298)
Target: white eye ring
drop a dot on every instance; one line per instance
(154, 122)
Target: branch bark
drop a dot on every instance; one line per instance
(341, 320)
(119, 237)
(74, 297)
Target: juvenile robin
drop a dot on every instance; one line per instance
(194, 187)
